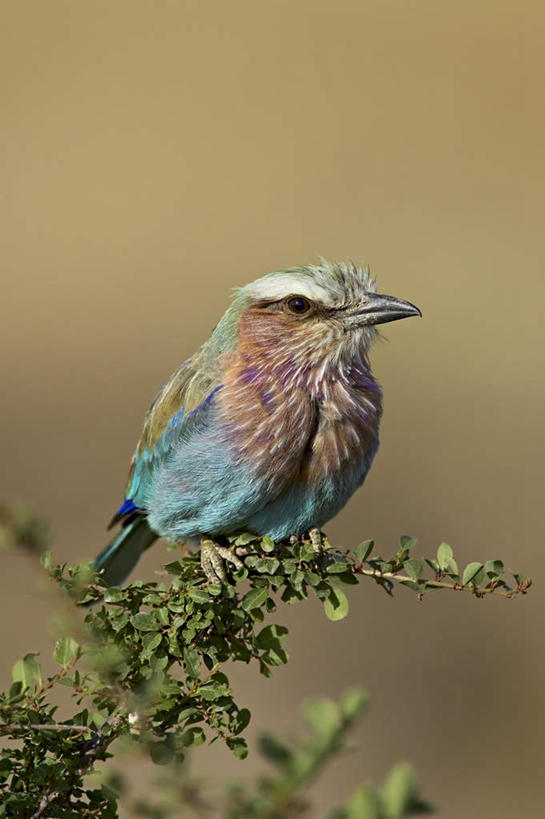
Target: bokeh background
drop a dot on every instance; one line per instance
(154, 155)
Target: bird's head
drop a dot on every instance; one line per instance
(316, 312)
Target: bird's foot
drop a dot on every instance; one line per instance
(212, 561)
(319, 542)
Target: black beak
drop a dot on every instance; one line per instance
(379, 309)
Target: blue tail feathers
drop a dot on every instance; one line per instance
(121, 555)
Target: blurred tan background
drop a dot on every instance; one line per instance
(154, 155)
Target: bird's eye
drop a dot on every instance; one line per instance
(298, 305)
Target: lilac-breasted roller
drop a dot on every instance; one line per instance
(269, 428)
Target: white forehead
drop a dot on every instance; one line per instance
(330, 284)
(280, 285)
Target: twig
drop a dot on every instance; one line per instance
(38, 726)
(91, 750)
(377, 575)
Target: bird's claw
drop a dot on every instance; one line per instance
(212, 561)
(318, 541)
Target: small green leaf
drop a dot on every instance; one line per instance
(337, 566)
(400, 790)
(238, 746)
(353, 703)
(199, 595)
(242, 720)
(364, 550)
(66, 651)
(290, 595)
(150, 642)
(406, 542)
(244, 538)
(471, 573)
(276, 752)
(414, 568)
(145, 622)
(254, 598)
(27, 671)
(192, 662)
(493, 568)
(336, 605)
(452, 568)
(433, 564)
(363, 804)
(264, 565)
(444, 554)
(193, 737)
(267, 544)
(161, 752)
(113, 595)
(322, 717)
(411, 584)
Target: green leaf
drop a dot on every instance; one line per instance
(264, 565)
(364, 550)
(406, 542)
(433, 564)
(364, 804)
(238, 746)
(276, 752)
(114, 595)
(322, 717)
(192, 662)
(242, 720)
(444, 554)
(161, 752)
(414, 568)
(199, 595)
(411, 584)
(145, 622)
(353, 703)
(452, 568)
(336, 605)
(494, 568)
(337, 566)
(290, 595)
(193, 737)
(66, 651)
(27, 671)
(150, 642)
(267, 544)
(254, 598)
(471, 573)
(174, 568)
(271, 639)
(399, 790)
(244, 538)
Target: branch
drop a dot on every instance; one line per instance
(499, 591)
(17, 726)
(154, 654)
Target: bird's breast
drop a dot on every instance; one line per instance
(301, 428)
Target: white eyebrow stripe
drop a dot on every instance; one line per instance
(282, 285)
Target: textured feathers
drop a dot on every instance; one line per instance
(121, 555)
(269, 427)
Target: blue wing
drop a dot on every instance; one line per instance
(143, 466)
(203, 485)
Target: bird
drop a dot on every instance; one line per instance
(269, 428)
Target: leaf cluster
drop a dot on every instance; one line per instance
(150, 673)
